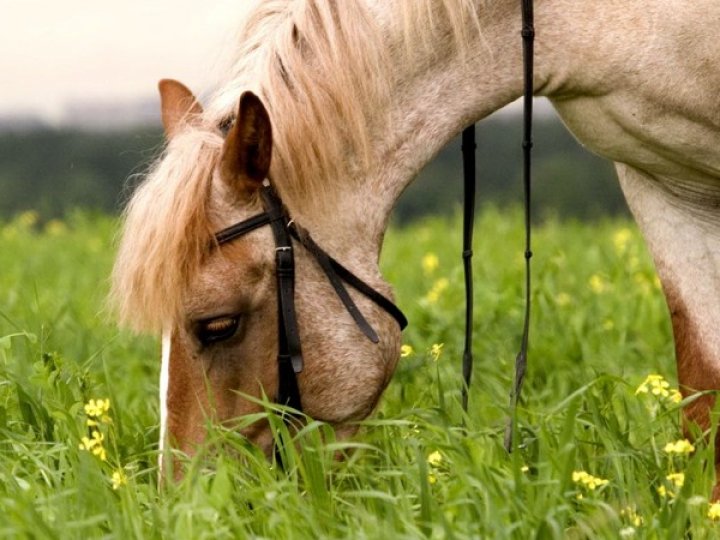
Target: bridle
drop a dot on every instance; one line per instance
(285, 230)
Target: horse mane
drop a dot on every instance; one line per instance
(324, 71)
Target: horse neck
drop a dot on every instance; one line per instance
(436, 92)
(436, 98)
(434, 95)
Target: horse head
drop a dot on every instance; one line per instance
(217, 302)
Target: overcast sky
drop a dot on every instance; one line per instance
(54, 52)
(59, 52)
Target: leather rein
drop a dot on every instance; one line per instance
(468, 151)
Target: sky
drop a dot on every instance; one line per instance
(59, 52)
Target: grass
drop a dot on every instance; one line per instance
(599, 327)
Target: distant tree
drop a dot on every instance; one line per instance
(55, 171)
(568, 181)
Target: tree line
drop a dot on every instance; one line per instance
(55, 171)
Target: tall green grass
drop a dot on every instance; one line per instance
(599, 327)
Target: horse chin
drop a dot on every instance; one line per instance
(342, 393)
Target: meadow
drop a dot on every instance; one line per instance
(601, 451)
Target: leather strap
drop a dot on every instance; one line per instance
(365, 289)
(528, 37)
(323, 259)
(242, 228)
(290, 360)
(468, 151)
(337, 273)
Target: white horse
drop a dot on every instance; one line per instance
(361, 94)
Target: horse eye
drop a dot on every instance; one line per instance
(214, 330)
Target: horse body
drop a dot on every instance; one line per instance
(649, 102)
(644, 89)
(361, 96)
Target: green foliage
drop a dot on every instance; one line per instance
(599, 328)
(568, 181)
(55, 172)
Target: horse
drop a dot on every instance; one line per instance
(339, 105)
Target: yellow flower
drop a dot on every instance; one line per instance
(406, 350)
(621, 238)
(597, 284)
(119, 478)
(657, 386)
(664, 492)
(94, 444)
(88, 443)
(661, 389)
(437, 289)
(632, 516)
(682, 446)
(27, 219)
(55, 227)
(643, 282)
(587, 480)
(97, 408)
(411, 432)
(714, 511)
(525, 468)
(430, 263)
(675, 396)
(563, 299)
(677, 479)
(435, 350)
(435, 459)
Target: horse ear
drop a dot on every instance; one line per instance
(177, 105)
(248, 147)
